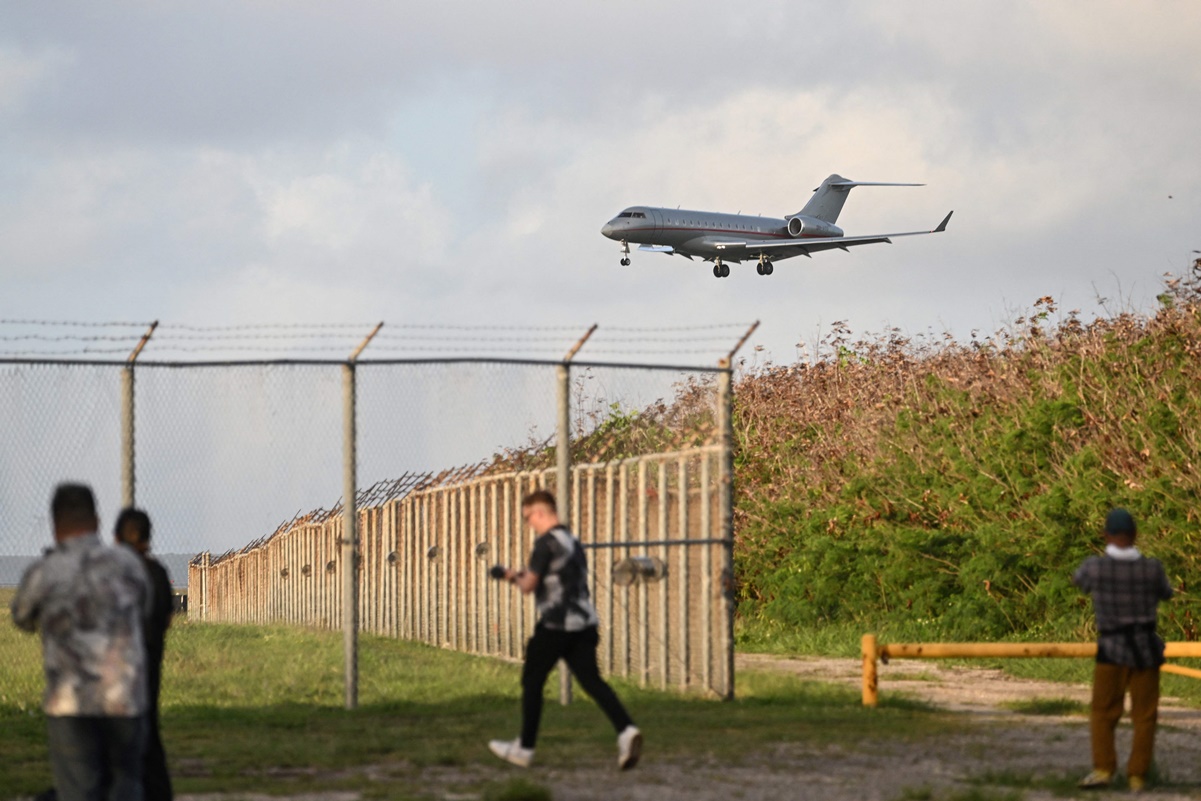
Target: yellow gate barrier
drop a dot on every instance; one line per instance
(873, 653)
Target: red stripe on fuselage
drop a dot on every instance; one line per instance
(744, 234)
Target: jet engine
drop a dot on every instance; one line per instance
(800, 225)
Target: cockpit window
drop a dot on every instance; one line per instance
(624, 214)
(639, 215)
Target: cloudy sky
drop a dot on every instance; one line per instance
(452, 162)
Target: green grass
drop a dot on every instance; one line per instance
(516, 790)
(1048, 706)
(260, 709)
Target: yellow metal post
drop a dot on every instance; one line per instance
(870, 679)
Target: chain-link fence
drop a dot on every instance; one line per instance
(233, 460)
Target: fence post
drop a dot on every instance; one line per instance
(725, 419)
(725, 480)
(127, 421)
(563, 486)
(563, 471)
(127, 451)
(350, 515)
(350, 606)
(206, 567)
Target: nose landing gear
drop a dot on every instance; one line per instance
(625, 253)
(720, 270)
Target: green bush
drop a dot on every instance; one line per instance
(957, 486)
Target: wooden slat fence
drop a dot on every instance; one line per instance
(426, 543)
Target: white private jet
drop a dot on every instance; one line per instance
(722, 238)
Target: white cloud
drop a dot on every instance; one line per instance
(21, 72)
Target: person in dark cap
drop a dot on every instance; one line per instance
(1126, 588)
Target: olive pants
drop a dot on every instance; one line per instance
(1110, 683)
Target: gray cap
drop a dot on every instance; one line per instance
(1119, 521)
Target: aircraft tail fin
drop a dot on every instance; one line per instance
(828, 199)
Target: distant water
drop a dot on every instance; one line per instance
(12, 567)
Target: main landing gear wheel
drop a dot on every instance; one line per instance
(717, 271)
(764, 267)
(769, 268)
(721, 270)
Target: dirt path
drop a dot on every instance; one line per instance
(999, 748)
(956, 689)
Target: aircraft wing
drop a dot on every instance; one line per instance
(668, 249)
(795, 247)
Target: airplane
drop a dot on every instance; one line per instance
(722, 238)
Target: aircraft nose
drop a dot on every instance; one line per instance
(607, 229)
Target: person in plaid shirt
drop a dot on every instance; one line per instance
(1126, 588)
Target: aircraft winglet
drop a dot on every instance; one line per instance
(942, 226)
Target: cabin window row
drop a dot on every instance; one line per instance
(697, 224)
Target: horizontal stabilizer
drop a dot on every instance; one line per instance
(865, 183)
(828, 199)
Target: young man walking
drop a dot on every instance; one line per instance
(88, 601)
(1126, 588)
(567, 623)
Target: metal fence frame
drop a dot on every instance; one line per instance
(348, 542)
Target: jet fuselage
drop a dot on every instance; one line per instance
(700, 233)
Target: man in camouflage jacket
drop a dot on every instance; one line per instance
(88, 602)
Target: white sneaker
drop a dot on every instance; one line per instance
(511, 751)
(629, 747)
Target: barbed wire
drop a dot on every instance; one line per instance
(75, 323)
(359, 326)
(367, 355)
(215, 337)
(267, 326)
(297, 339)
(75, 352)
(69, 338)
(442, 327)
(676, 327)
(683, 340)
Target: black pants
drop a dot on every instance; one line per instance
(578, 649)
(156, 782)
